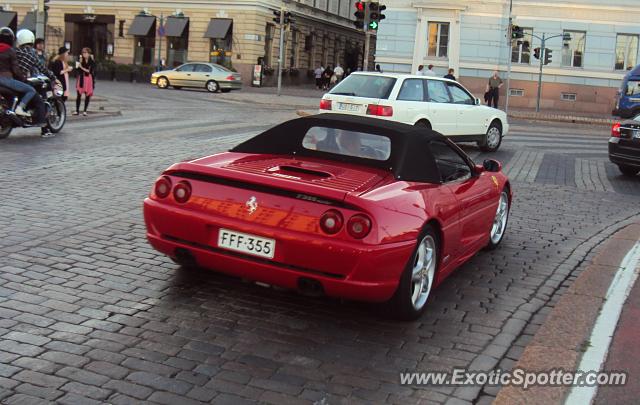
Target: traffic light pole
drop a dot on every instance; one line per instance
(367, 45)
(542, 54)
(509, 56)
(281, 56)
(40, 20)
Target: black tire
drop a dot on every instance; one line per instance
(163, 83)
(492, 138)
(423, 124)
(628, 170)
(225, 90)
(212, 86)
(57, 117)
(5, 131)
(493, 243)
(402, 305)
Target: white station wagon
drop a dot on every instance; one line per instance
(440, 104)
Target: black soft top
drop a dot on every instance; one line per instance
(410, 159)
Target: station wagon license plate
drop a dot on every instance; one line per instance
(246, 243)
(348, 107)
(635, 134)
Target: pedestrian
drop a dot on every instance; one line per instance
(419, 72)
(84, 80)
(326, 77)
(39, 45)
(11, 76)
(61, 69)
(429, 71)
(493, 88)
(318, 74)
(450, 75)
(378, 69)
(339, 73)
(31, 66)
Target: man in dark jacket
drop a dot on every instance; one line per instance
(11, 76)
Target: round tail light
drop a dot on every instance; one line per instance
(182, 192)
(162, 187)
(331, 222)
(359, 226)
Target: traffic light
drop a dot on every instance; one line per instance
(381, 16)
(277, 14)
(536, 53)
(547, 56)
(359, 14)
(375, 15)
(516, 32)
(288, 18)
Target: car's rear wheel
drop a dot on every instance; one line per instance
(5, 131)
(500, 221)
(628, 170)
(417, 280)
(492, 138)
(212, 86)
(163, 82)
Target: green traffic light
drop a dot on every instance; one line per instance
(373, 25)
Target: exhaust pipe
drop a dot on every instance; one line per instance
(310, 287)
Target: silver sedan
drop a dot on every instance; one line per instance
(209, 76)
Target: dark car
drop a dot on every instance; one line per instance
(624, 146)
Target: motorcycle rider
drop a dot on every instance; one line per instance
(11, 76)
(31, 66)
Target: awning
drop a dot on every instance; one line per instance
(141, 26)
(8, 19)
(174, 27)
(218, 28)
(28, 22)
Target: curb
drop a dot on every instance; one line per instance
(561, 339)
(561, 118)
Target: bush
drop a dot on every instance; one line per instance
(123, 73)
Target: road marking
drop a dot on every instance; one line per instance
(592, 175)
(524, 165)
(606, 322)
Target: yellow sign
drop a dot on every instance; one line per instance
(495, 181)
(215, 53)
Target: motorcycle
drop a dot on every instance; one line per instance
(55, 110)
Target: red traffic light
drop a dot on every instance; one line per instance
(360, 6)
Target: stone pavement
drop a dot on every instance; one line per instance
(89, 313)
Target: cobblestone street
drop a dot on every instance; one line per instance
(90, 313)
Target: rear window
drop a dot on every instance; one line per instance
(347, 143)
(633, 88)
(369, 86)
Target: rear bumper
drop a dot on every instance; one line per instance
(231, 85)
(372, 273)
(624, 155)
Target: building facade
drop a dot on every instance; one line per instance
(236, 33)
(471, 37)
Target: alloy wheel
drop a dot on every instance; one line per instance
(423, 272)
(500, 220)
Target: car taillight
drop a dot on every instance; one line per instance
(331, 222)
(380, 110)
(325, 104)
(182, 192)
(359, 226)
(615, 130)
(162, 187)
(231, 77)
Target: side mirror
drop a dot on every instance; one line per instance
(476, 101)
(478, 169)
(492, 165)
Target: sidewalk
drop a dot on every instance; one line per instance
(575, 336)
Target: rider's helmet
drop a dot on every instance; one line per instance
(6, 36)
(25, 37)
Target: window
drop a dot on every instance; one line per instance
(202, 68)
(633, 88)
(437, 92)
(189, 67)
(521, 48)
(459, 95)
(268, 44)
(293, 61)
(347, 143)
(626, 51)
(451, 165)
(516, 92)
(412, 90)
(573, 50)
(568, 96)
(365, 86)
(438, 37)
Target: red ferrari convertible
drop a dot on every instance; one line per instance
(345, 206)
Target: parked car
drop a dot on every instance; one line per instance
(436, 103)
(628, 97)
(624, 146)
(203, 75)
(346, 206)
